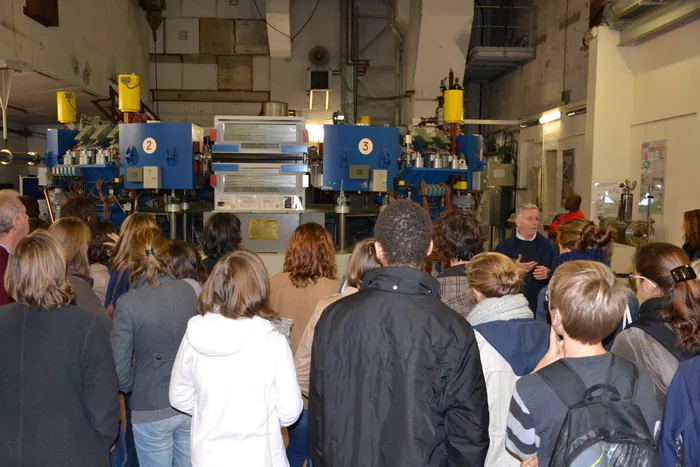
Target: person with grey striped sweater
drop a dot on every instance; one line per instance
(586, 305)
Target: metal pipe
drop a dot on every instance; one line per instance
(172, 217)
(342, 231)
(48, 203)
(184, 225)
(10, 157)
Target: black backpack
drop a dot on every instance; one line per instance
(603, 426)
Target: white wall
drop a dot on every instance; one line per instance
(653, 96)
(94, 42)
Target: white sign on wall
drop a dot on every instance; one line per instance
(366, 146)
(149, 145)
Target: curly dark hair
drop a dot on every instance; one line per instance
(310, 255)
(185, 262)
(222, 235)
(98, 252)
(458, 235)
(80, 207)
(404, 232)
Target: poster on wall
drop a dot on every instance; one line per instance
(606, 199)
(567, 182)
(653, 176)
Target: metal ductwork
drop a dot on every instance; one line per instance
(639, 19)
(279, 26)
(7, 71)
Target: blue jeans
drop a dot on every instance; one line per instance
(298, 449)
(165, 443)
(118, 457)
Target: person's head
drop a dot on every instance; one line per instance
(149, 255)
(363, 260)
(404, 235)
(238, 287)
(98, 251)
(585, 301)
(582, 235)
(493, 275)
(573, 202)
(36, 273)
(36, 223)
(458, 235)
(74, 236)
(691, 228)
(134, 223)
(310, 255)
(185, 262)
(527, 220)
(31, 205)
(14, 222)
(222, 235)
(663, 270)
(80, 207)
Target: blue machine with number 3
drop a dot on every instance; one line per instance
(161, 155)
(363, 158)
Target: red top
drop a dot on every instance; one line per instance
(4, 257)
(561, 218)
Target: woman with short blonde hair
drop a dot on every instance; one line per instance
(511, 343)
(234, 372)
(55, 358)
(149, 322)
(74, 236)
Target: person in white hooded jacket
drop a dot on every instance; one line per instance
(234, 373)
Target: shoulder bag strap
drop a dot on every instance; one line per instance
(564, 381)
(655, 328)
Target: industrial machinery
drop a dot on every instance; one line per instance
(124, 166)
(629, 232)
(260, 172)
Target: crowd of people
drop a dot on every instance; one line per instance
(126, 349)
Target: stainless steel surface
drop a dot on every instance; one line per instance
(172, 218)
(626, 207)
(185, 221)
(5, 85)
(10, 157)
(341, 231)
(274, 109)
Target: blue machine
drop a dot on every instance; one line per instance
(363, 158)
(471, 147)
(57, 143)
(164, 155)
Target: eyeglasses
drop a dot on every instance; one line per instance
(642, 278)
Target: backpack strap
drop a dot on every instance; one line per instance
(623, 376)
(564, 381)
(655, 328)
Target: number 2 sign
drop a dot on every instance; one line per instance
(149, 145)
(366, 146)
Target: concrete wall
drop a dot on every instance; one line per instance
(228, 49)
(94, 42)
(561, 63)
(648, 94)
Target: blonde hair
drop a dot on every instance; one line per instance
(36, 273)
(590, 300)
(134, 223)
(495, 275)
(149, 255)
(526, 207)
(582, 235)
(74, 236)
(363, 260)
(238, 287)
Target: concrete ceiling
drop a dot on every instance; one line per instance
(33, 99)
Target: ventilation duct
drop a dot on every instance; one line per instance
(639, 19)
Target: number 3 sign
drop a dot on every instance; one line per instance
(366, 146)
(149, 145)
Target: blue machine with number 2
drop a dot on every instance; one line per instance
(160, 155)
(363, 158)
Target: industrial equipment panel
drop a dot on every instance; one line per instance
(170, 146)
(347, 147)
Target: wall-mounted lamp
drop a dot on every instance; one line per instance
(574, 112)
(529, 123)
(550, 117)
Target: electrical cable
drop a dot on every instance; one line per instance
(291, 38)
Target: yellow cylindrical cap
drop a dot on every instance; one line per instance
(365, 120)
(461, 185)
(129, 93)
(66, 107)
(454, 105)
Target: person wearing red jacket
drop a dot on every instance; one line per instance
(14, 226)
(573, 206)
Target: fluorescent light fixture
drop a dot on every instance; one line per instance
(550, 117)
(529, 123)
(574, 112)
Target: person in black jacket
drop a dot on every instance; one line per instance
(58, 397)
(396, 377)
